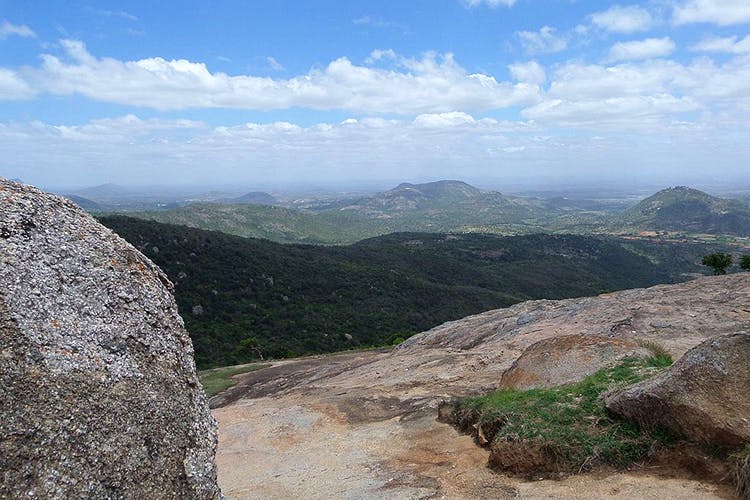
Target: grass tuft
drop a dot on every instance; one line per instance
(220, 379)
(660, 357)
(569, 423)
(741, 462)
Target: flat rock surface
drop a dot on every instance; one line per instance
(363, 425)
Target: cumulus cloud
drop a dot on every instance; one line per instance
(531, 72)
(433, 83)
(721, 12)
(545, 41)
(8, 29)
(727, 44)
(642, 49)
(13, 87)
(436, 145)
(628, 19)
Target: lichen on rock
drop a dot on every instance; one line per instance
(98, 389)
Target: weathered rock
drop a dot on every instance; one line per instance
(567, 359)
(703, 396)
(98, 391)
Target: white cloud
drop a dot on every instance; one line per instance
(116, 13)
(455, 145)
(441, 120)
(530, 72)
(490, 3)
(721, 12)
(544, 41)
(628, 19)
(433, 83)
(13, 87)
(8, 29)
(728, 44)
(380, 55)
(274, 64)
(642, 49)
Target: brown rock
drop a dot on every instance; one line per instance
(703, 396)
(98, 391)
(567, 359)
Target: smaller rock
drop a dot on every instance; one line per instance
(703, 396)
(567, 359)
(197, 310)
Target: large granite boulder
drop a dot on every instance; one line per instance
(705, 395)
(567, 359)
(98, 391)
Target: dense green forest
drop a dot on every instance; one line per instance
(287, 300)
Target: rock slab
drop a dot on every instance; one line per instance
(567, 359)
(703, 396)
(98, 391)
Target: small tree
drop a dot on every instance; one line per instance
(718, 261)
(745, 262)
(250, 346)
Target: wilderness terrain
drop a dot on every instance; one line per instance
(364, 424)
(302, 299)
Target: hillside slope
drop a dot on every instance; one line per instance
(689, 210)
(296, 299)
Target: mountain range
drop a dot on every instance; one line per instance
(454, 206)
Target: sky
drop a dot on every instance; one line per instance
(327, 92)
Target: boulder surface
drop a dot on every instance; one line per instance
(703, 396)
(98, 391)
(566, 360)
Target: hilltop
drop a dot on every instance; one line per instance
(689, 210)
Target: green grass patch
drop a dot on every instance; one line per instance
(569, 423)
(220, 379)
(660, 358)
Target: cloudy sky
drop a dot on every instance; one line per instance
(238, 92)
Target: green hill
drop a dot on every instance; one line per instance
(689, 210)
(301, 299)
(443, 206)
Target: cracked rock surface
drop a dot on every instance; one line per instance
(98, 391)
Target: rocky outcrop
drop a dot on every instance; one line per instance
(704, 396)
(98, 391)
(567, 359)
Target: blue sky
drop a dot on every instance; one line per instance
(268, 92)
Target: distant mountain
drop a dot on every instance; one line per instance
(301, 299)
(689, 210)
(254, 198)
(443, 206)
(84, 203)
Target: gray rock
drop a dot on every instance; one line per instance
(703, 396)
(98, 391)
